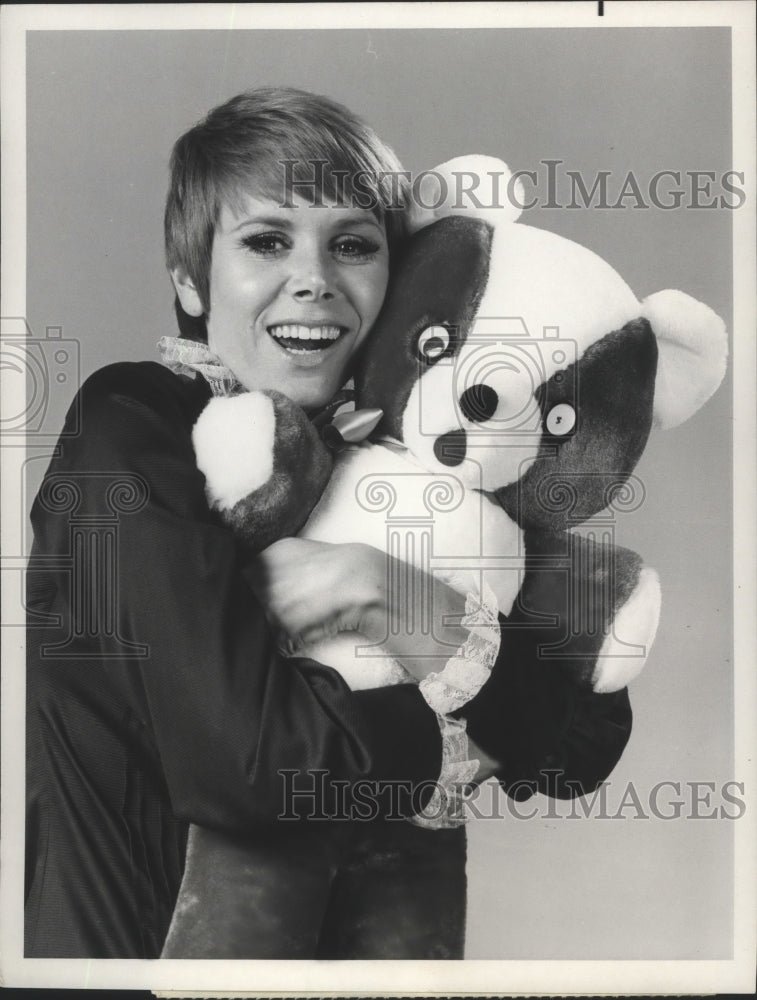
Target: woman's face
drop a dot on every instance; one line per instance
(294, 292)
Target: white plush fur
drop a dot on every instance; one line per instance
(233, 441)
(551, 282)
(539, 284)
(635, 625)
(693, 349)
(537, 280)
(498, 451)
(537, 276)
(491, 186)
(380, 496)
(545, 281)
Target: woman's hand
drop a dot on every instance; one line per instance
(313, 590)
(487, 766)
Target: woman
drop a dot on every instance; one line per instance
(156, 695)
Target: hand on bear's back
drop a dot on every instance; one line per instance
(311, 590)
(316, 590)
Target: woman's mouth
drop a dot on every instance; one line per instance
(300, 339)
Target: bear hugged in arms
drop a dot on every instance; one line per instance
(508, 387)
(517, 379)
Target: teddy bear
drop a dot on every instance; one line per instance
(507, 389)
(514, 379)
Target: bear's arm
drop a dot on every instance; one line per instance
(547, 733)
(223, 712)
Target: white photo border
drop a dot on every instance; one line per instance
(399, 978)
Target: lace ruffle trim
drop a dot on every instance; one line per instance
(467, 671)
(444, 809)
(461, 679)
(192, 358)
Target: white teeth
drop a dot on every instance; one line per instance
(295, 331)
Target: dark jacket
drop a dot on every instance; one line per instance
(156, 697)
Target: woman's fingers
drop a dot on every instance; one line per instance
(316, 588)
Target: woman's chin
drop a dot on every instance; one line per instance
(311, 386)
(311, 395)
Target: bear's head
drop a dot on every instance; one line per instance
(522, 361)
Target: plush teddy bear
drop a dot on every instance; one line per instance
(517, 378)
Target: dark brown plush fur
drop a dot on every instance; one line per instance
(302, 466)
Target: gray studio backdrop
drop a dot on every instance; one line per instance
(103, 110)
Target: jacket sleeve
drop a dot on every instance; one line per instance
(229, 716)
(546, 733)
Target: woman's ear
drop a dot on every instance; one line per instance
(188, 295)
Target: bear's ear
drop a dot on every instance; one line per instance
(692, 351)
(475, 186)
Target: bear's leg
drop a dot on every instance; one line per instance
(630, 635)
(589, 608)
(400, 894)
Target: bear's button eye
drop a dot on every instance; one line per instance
(433, 342)
(561, 419)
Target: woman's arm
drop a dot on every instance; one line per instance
(314, 590)
(233, 725)
(531, 725)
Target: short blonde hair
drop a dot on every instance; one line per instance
(267, 139)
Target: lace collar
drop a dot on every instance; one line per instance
(191, 357)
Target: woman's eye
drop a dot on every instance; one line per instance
(561, 420)
(433, 342)
(265, 244)
(355, 248)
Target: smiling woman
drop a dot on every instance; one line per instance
(294, 292)
(562, 103)
(191, 717)
(191, 713)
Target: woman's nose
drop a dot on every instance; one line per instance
(311, 279)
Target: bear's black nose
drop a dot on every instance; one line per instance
(450, 447)
(479, 403)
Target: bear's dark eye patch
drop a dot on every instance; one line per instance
(611, 388)
(559, 406)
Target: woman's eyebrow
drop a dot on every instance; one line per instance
(285, 221)
(360, 220)
(272, 221)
